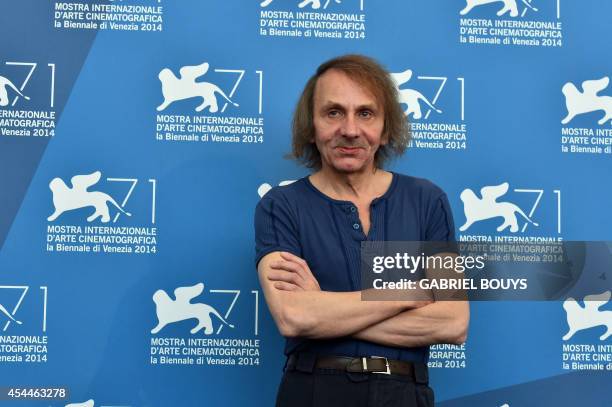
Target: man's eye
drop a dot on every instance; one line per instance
(366, 113)
(334, 113)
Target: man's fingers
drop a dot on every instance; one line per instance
(289, 256)
(288, 266)
(304, 269)
(298, 267)
(275, 275)
(292, 257)
(281, 285)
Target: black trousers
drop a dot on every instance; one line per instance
(334, 388)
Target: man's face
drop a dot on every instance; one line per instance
(348, 123)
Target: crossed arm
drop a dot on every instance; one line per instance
(301, 309)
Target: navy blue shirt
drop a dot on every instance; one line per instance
(327, 233)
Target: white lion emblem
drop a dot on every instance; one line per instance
(509, 6)
(88, 403)
(77, 197)
(4, 83)
(410, 97)
(170, 311)
(315, 4)
(477, 209)
(186, 87)
(580, 318)
(8, 315)
(588, 100)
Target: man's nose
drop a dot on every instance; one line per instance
(350, 127)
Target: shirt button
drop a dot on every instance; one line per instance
(355, 226)
(353, 209)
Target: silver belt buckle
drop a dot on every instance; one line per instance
(365, 364)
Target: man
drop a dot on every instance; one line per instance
(308, 239)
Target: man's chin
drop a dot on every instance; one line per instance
(350, 167)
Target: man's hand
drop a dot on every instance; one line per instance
(292, 274)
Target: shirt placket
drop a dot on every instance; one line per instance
(354, 224)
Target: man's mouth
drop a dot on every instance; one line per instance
(348, 149)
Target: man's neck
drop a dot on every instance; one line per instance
(351, 186)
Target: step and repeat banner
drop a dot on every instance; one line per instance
(137, 136)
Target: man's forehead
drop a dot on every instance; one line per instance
(334, 84)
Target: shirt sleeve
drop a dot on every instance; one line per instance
(275, 227)
(440, 226)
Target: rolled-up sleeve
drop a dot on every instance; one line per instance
(275, 227)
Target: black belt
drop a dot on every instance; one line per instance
(306, 362)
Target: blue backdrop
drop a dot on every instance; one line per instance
(137, 136)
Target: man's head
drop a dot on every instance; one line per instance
(348, 117)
